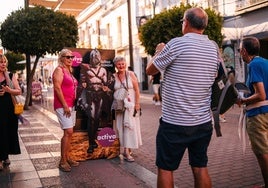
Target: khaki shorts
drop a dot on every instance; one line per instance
(66, 122)
(257, 128)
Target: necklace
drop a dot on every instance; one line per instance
(72, 77)
(122, 84)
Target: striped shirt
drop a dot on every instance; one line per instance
(190, 65)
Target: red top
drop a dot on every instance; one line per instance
(68, 87)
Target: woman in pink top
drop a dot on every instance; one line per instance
(64, 98)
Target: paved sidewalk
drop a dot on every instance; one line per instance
(37, 165)
(228, 166)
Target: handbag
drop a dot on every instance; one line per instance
(18, 106)
(118, 102)
(119, 96)
(118, 105)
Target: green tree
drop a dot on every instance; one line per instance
(36, 32)
(13, 58)
(166, 25)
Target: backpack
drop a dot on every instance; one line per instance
(224, 95)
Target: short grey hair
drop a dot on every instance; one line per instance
(119, 58)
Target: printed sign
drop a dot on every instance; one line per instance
(106, 137)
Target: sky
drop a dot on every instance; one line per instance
(8, 7)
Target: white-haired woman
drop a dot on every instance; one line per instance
(64, 101)
(127, 122)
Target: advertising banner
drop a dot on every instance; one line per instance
(94, 136)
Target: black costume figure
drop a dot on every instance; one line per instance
(97, 83)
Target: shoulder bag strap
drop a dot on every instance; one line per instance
(9, 82)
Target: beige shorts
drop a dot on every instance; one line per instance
(66, 122)
(257, 128)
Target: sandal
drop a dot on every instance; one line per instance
(72, 162)
(65, 167)
(129, 158)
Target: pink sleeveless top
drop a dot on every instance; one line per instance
(68, 87)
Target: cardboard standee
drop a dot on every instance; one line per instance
(94, 121)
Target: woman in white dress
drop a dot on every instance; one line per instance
(128, 121)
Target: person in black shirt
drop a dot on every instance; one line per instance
(156, 85)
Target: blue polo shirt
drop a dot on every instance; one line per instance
(257, 72)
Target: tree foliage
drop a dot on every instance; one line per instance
(167, 25)
(13, 58)
(37, 31)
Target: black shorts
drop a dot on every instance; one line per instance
(172, 141)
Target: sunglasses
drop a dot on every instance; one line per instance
(68, 57)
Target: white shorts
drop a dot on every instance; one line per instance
(156, 88)
(66, 122)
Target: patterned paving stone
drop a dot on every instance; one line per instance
(40, 145)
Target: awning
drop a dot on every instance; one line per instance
(258, 30)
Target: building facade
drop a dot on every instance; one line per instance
(113, 24)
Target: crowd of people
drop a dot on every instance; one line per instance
(189, 129)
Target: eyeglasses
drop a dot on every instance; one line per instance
(68, 57)
(182, 20)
